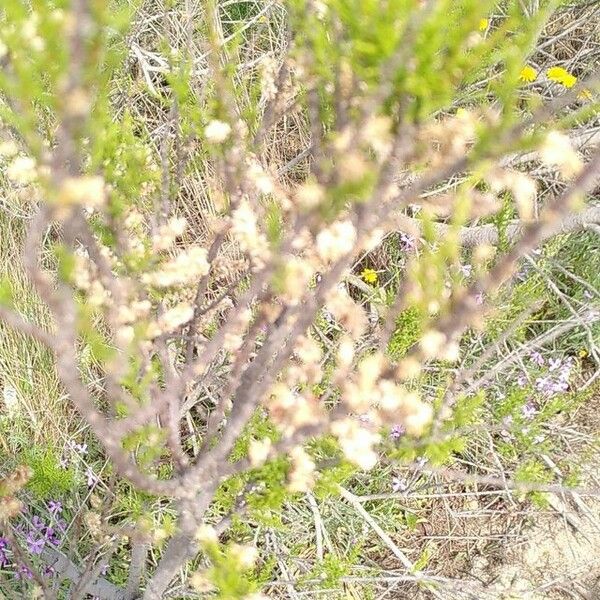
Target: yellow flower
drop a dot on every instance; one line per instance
(369, 276)
(583, 353)
(528, 74)
(562, 76)
(483, 24)
(585, 94)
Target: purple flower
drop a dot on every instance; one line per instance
(543, 384)
(550, 387)
(49, 571)
(79, 448)
(522, 380)
(397, 431)
(537, 358)
(407, 242)
(50, 536)
(479, 299)
(565, 371)
(422, 461)
(23, 572)
(398, 485)
(61, 525)
(35, 545)
(528, 411)
(466, 270)
(553, 364)
(3, 548)
(92, 479)
(55, 507)
(37, 522)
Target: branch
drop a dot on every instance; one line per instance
(488, 234)
(16, 321)
(66, 569)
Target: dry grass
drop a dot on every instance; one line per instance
(34, 408)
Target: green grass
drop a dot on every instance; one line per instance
(39, 412)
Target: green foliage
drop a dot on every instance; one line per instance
(334, 566)
(231, 573)
(49, 479)
(502, 219)
(534, 472)
(466, 411)
(274, 223)
(327, 452)
(6, 292)
(423, 560)
(148, 442)
(409, 326)
(523, 296)
(98, 348)
(66, 263)
(265, 502)
(258, 428)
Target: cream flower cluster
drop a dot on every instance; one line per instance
(171, 319)
(22, 170)
(357, 443)
(185, 268)
(557, 151)
(291, 410)
(168, 233)
(336, 240)
(522, 186)
(217, 131)
(244, 226)
(302, 473)
(87, 190)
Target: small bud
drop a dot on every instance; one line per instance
(217, 131)
(201, 583)
(432, 343)
(345, 354)
(408, 368)
(310, 194)
(258, 451)
(206, 534)
(244, 555)
(22, 170)
(87, 190)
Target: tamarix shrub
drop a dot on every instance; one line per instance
(207, 276)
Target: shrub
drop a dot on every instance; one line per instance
(201, 289)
